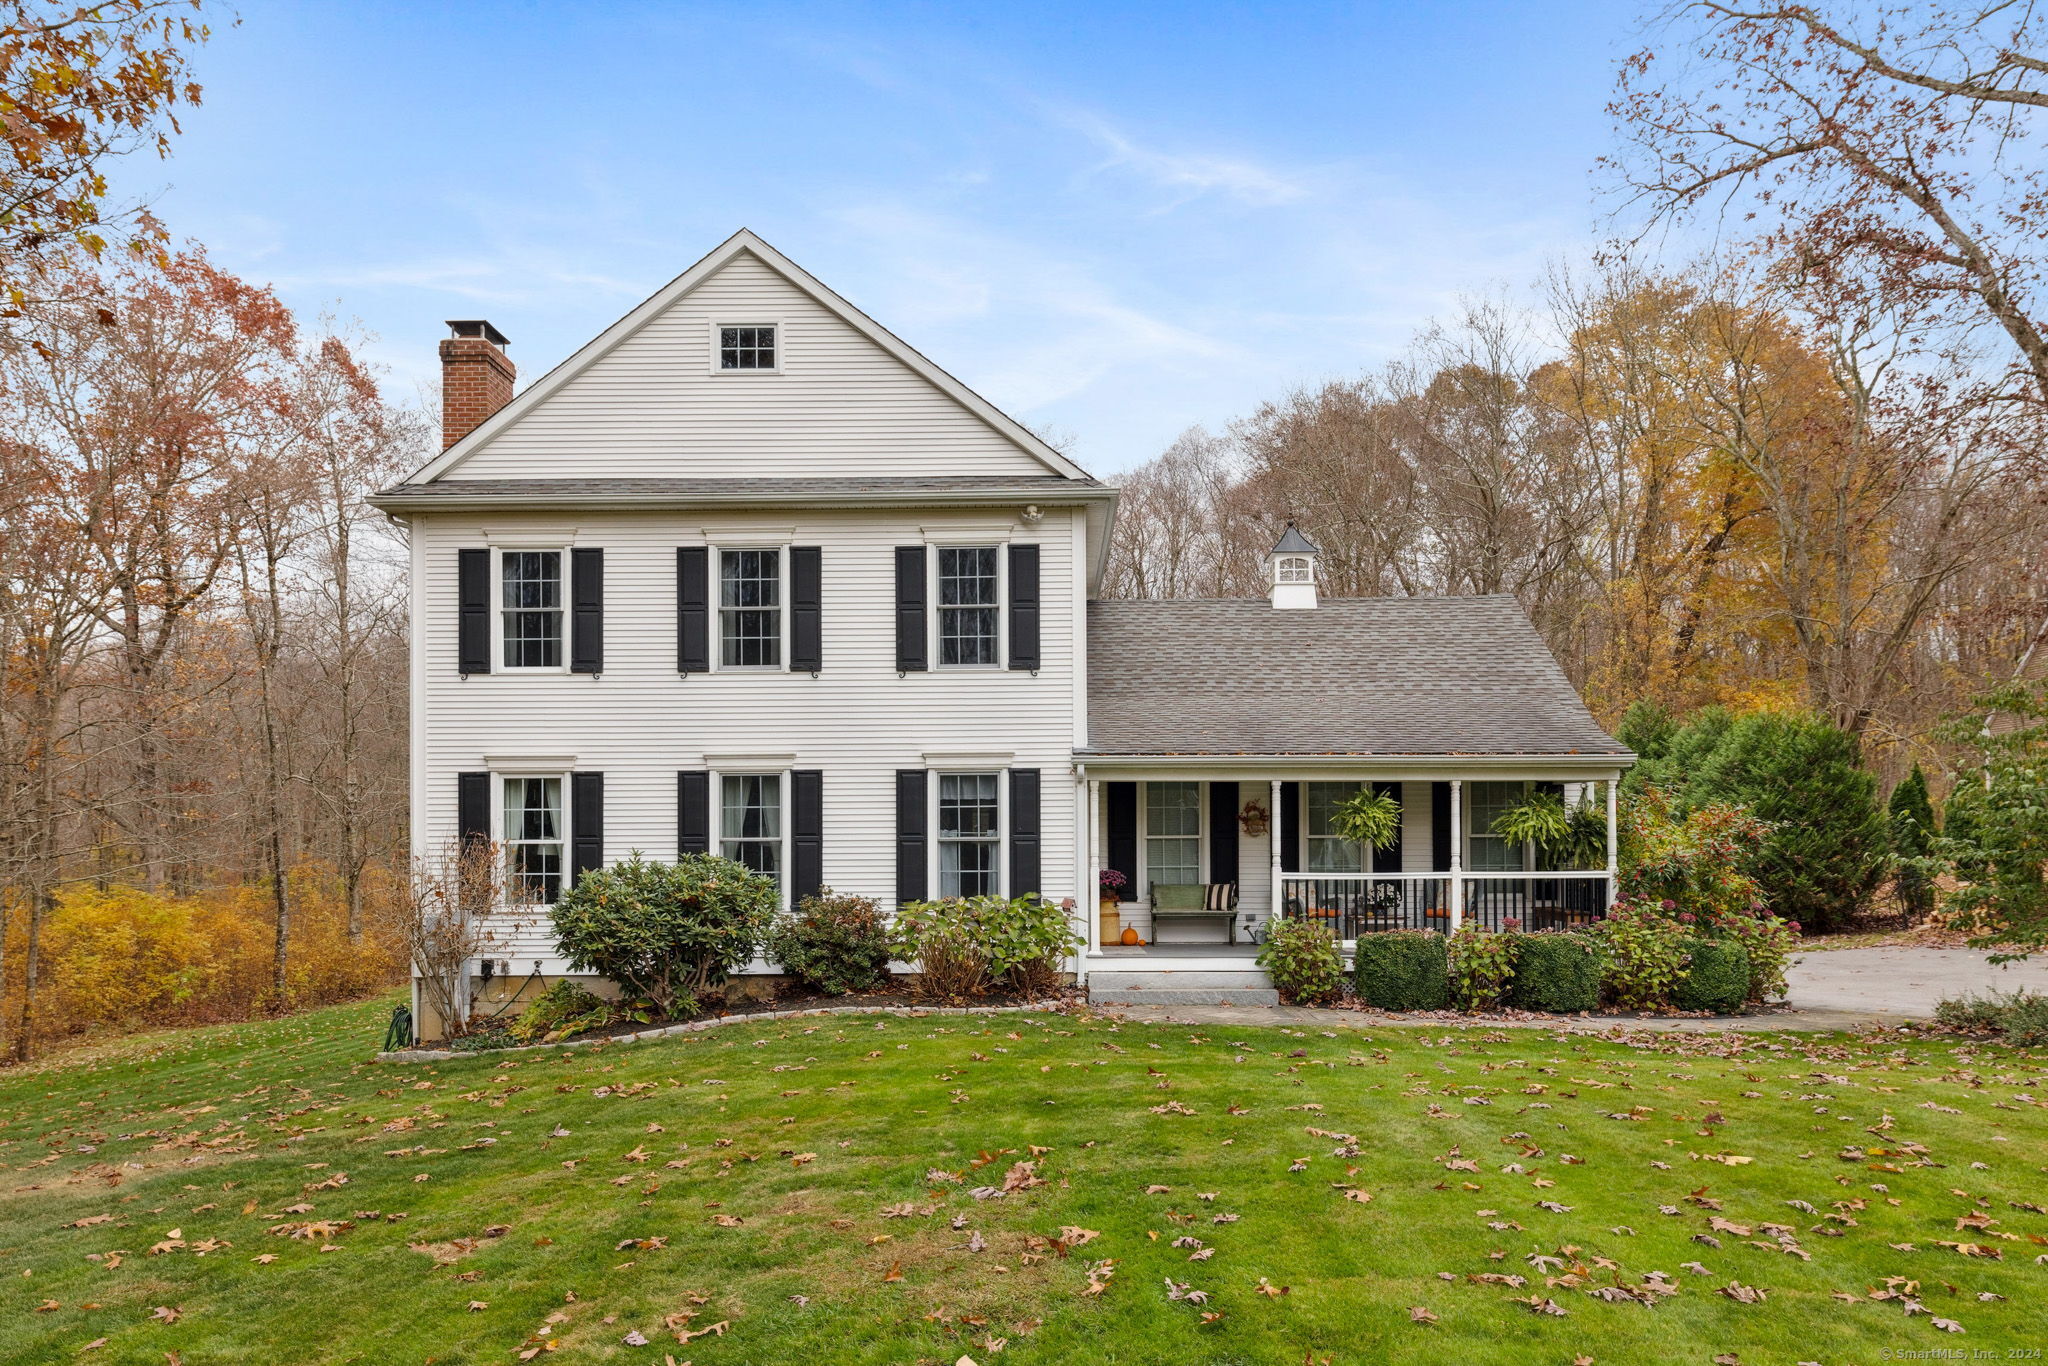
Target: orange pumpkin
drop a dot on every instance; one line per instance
(1131, 935)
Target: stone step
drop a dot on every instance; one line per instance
(1181, 996)
(1159, 978)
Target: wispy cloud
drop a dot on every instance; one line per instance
(1187, 175)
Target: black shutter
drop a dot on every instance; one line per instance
(586, 620)
(586, 824)
(910, 622)
(693, 609)
(806, 608)
(1440, 827)
(473, 822)
(1026, 872)
(910, 835)
(1024, 607)
(1120, 830)
(473, 615)
(1222, 832)
(473, 807)
(693, 812)
(1288, 822)
(1387, 858)
(806, 833)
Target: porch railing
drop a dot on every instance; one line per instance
(1364, 903)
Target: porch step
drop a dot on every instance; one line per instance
(1185, 996)
(1191, 988)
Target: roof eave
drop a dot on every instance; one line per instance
(401, 499)
(1180, 758)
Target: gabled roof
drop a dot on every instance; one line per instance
(1379, 677)
(661, 300)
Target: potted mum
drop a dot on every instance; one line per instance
(1108, 920)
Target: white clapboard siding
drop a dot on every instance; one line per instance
(640, 721)
(651, 408)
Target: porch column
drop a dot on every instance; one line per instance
(1613, 839)
(1273, 827)
(1457, 854)
(1094, 863)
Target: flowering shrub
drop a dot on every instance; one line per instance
(1302, 959)
(1767, 939)
(834, 944)
(1646, 954)
(965, 946)
(1700, 861)
(1482, 964)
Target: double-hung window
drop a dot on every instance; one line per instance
(969, 617)
(1488, 850)
(1173, 832)
(970, 833)
(750, 821)
(1328, 851)
(532, 834)
(750, 609)
(530, 608)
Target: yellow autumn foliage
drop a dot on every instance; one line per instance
(121, 957)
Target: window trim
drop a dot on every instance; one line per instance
(712, 347)
(1001, 840)
(935, 611)
(1143, 892)
(718, 551)
(718, 777)
(498, 609)
(564, 838)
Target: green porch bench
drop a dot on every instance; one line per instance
(1194, 900)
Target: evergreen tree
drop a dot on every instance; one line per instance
(1997, 836)
(1913, 833)
(1671, 753)
(1831, 844)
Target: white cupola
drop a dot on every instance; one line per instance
(1291, 571)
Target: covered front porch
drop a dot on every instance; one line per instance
(1209, 853)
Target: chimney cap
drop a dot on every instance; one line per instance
(476, 327)
(1292, 542)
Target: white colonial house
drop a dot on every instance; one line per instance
(749, 574)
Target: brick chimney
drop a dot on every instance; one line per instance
(476, 377)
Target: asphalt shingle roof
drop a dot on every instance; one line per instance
(1355, 676)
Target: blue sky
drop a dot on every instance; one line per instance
(1114, 221)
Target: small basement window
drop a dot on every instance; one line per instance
(747, 346)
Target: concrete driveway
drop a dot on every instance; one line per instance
(1843, 988)
(1829, 989)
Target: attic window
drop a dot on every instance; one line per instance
(746, 346)
(1294, 569)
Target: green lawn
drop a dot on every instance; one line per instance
(806, 1192)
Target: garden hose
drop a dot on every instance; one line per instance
(399, 1033)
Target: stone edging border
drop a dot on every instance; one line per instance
(716, 1022)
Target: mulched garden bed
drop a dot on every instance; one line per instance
(495, 1037)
